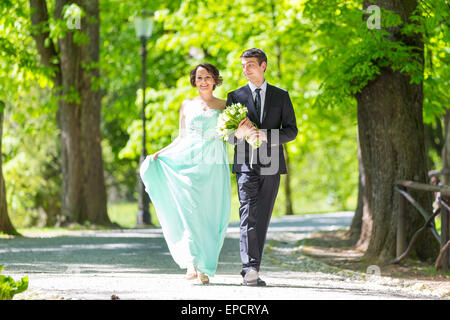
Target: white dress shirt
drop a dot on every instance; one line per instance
(262, 93)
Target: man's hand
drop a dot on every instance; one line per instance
(256, 135)
(262, 136)
(245, 128)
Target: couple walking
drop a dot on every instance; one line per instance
(192, 196)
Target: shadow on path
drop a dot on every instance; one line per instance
(136, 250)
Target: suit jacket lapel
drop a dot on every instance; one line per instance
(267, 101)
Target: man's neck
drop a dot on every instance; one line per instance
(258, 83)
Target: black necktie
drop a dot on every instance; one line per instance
(258, 103)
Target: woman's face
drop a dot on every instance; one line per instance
(204, 80)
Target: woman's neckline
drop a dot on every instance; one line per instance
(202, 104)
(210, 109)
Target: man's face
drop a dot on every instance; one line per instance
(252, 70)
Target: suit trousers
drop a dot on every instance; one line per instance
(257, 194)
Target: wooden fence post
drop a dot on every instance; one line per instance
(445, 235)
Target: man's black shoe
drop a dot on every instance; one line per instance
(257, 283)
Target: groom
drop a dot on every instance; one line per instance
(270, 108)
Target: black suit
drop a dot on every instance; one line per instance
(278, 114)
(258, 186)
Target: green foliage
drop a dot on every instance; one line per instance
(350, 54)
(434, 18)
(185, 34)
(9, 287)
(31, 164)
(33, 182)
(30, 154)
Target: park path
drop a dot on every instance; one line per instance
(136, 264)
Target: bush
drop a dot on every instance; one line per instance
(9, 287)
(32, 172)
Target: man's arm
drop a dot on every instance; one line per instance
(289, 130)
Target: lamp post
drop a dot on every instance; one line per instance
(143, 25)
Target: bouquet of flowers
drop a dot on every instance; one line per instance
(229, 120)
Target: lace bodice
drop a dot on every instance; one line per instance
(200, 122)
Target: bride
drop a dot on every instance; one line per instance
(189, 181)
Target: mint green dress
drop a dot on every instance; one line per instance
(190, 188)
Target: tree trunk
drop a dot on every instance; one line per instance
(355, 228)
(84, 191)
(445, 221)
(5, 223)
(392, 148)
(94, 181)
(363, 216)
(391, 136)
(73, 205)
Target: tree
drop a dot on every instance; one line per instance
(386, 78)
(73, 56)
(390, 120)
(5, 223)
(16, 68)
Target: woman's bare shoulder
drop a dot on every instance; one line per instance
(186, 102)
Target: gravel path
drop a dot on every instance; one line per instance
(136, 264)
